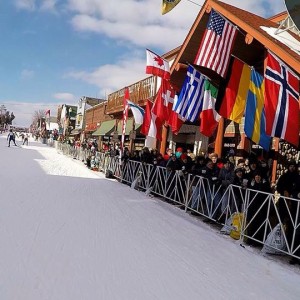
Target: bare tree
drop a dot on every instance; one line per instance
(37, 116)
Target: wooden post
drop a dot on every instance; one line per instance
(275, 159)
(163, 143)
(219, 138)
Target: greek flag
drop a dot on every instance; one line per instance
(190, 99)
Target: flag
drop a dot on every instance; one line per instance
(209, 117)
(137, 111)
(168, 5)
(216, 45)
(125, 116)
(281, 101)
(233, 93)
(47, 112)
(189, 102)
(255, 126)
(175, 121)
(164, 100)
(157, 66)
(152, 125)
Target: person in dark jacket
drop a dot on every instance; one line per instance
(11, 138)
(198, 165)
(225, 178)
(257, 208)
(287, 187)
(295, 206)
(173, 165)
(239, 185)
(211, 173)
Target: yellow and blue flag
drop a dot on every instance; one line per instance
(255, 121)
(168, 5)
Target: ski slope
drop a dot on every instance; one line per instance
(67, 233)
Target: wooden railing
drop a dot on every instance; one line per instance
(139, 92)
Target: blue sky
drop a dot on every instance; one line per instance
(55, 51)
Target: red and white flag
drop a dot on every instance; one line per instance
(164, 101)
(281, 101)
(47, 112)
(157, 66)
(175, 121)
(152, 125)
(125, 116)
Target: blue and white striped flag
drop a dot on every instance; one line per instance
(190, 99)
(137, 111)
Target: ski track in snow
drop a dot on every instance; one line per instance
(68, 233)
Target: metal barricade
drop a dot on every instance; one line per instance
(263, 211)
(260, 211)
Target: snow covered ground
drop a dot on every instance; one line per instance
(67, 233)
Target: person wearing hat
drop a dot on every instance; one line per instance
(186, 163)
(225, 178)
(253, 167)
(294, 204)
(257, 210)
(287, 181)
(239, 182)
(198, 165)
(286, 186)
(239, 178)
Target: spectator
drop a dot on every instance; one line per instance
(168, 154)
(191, 154)
(25, 141)
(257, 208)
(287, 187)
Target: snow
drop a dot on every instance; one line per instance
(69, 233)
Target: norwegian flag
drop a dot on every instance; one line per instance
(281, 101)
(164, 101)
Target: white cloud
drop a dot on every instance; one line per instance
(31, 5)
(27, 74)
(24, 111)
(25, 4)
(141, 23)
(48, 5)
(64, 97)
(110, 78)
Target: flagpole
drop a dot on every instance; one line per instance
(131, 144)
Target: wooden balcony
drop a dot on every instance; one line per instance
(139, 93)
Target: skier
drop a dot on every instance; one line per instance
(25, 141)
(11, 137)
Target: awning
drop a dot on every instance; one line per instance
(106, 128)
(75, 131)
(129, 127)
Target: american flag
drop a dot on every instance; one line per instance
(216, 45)
(281, 101)
(190, 99)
